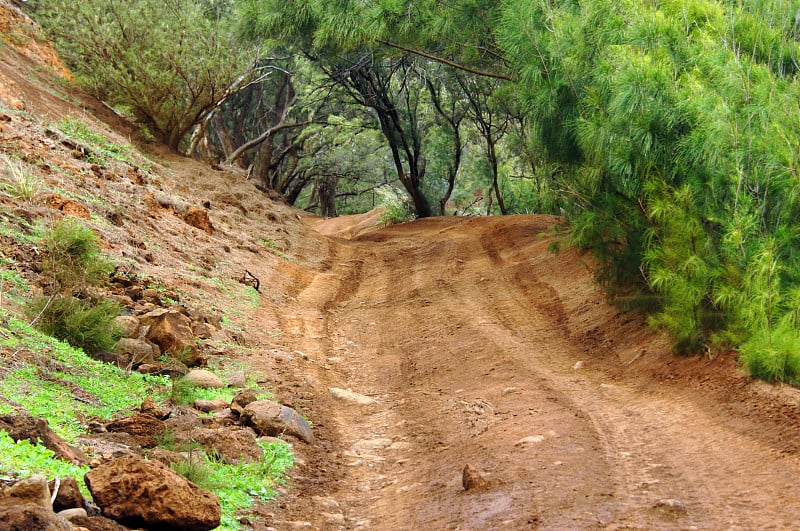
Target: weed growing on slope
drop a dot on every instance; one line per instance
(103, 147)
(22, 185)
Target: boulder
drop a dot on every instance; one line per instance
(242, 398)
(25, 506)
(172, 332)
(134, 352)
(128, 325)
(233, 446)
(37, 430)
(272, 418)
(144, 428)
(147, 494)
(202, 378)
(68, 495)
(29, 491)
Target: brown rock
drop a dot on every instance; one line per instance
(68, 495)
(74, 512)
(183, 420)
(147, 494)
(30, 517)
(35, 430)
(198, 218)
(134, 352)
(226, 417)
(471, 478)
(165, 456)
(232, 446)
(202, 378)
(97, 523)
(29, 491)
(67, 206)
(172, 332)
(203, 330)
(242, 398)
(150, 407)
(128, 325)
(143, 427)
(207, 406)
(272, 418)
(107, 446)
(237, 379)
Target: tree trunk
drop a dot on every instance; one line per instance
(495, 185)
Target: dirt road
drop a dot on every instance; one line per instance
(476, 345)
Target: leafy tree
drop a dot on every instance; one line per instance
(170, 62)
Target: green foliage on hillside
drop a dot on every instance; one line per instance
(678, 125)
(51, 379)
(72, 262)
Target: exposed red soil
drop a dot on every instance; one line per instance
(471, 336)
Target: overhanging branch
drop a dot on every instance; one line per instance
(261, 138)
(447, 62)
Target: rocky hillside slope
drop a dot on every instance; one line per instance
(198, 256)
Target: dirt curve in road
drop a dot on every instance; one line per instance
(477, 345)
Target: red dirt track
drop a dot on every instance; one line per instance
(482, 347)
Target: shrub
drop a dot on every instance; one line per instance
(396, 209)
(89, 327)
(773, 355)
(73, 261)
(72, 258)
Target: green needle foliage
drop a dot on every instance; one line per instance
(677, 126)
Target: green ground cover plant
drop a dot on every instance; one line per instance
(239, 486)
(56, 381)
